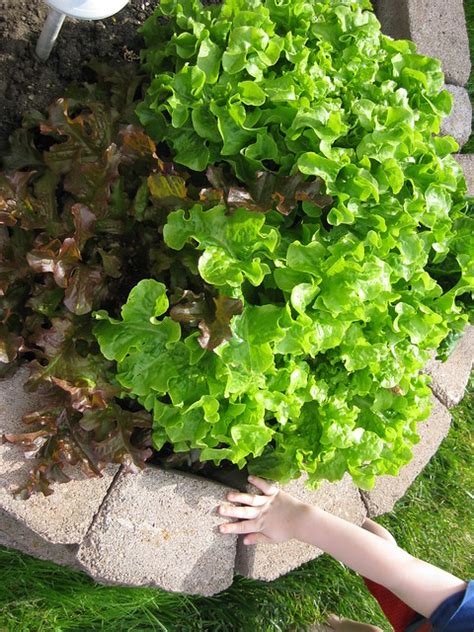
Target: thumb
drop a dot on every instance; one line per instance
(256, 538)
(269, 488)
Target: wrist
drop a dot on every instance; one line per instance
(306, 523)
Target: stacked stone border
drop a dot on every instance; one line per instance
(159, 528)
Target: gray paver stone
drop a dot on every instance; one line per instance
(467, 163)
(267, 561)
(65, 516)
(159, 528)
(458, 123)
(450, 378)
(14, 535)
(437, 27)
(389, 489)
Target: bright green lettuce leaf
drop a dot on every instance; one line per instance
(233, 245)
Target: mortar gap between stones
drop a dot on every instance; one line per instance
(364, 501)
(104, 499)
(440, 399)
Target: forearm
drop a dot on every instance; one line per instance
(276, 516)
(419, 584)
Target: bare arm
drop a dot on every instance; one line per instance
(277, 516)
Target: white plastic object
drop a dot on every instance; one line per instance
(87, 9)
(79, 9)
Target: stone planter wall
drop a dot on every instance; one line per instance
(159, 528)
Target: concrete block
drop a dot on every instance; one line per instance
(437, 27)
(458, 123)
(159, 528)
(14, 535)
(450, 378)
(65, 516)
(393, 17)
(267, 561)
(467, 163)
(389, 489)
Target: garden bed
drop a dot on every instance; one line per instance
(115, 537)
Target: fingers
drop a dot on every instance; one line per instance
(256, 538)
(247, 526)
(246, 513)
(247, 499)
(267, 487)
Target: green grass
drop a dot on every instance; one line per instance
(469, 11)
(433, 521)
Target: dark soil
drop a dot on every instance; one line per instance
(27, 83)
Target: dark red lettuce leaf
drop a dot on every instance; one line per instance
(84, 289)
(267, 192)
(212, 315)
(54, 440)
(91, 182)
(167, 187)
(65, 351)
(22, 152)
(87, 396)
(13, 266)
(82, 138)
(115, 436)
(84, 223)
(10, 344)
(13, 198)
(136, 144)
(58, 258)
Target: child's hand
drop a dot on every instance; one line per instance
(271, 517)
